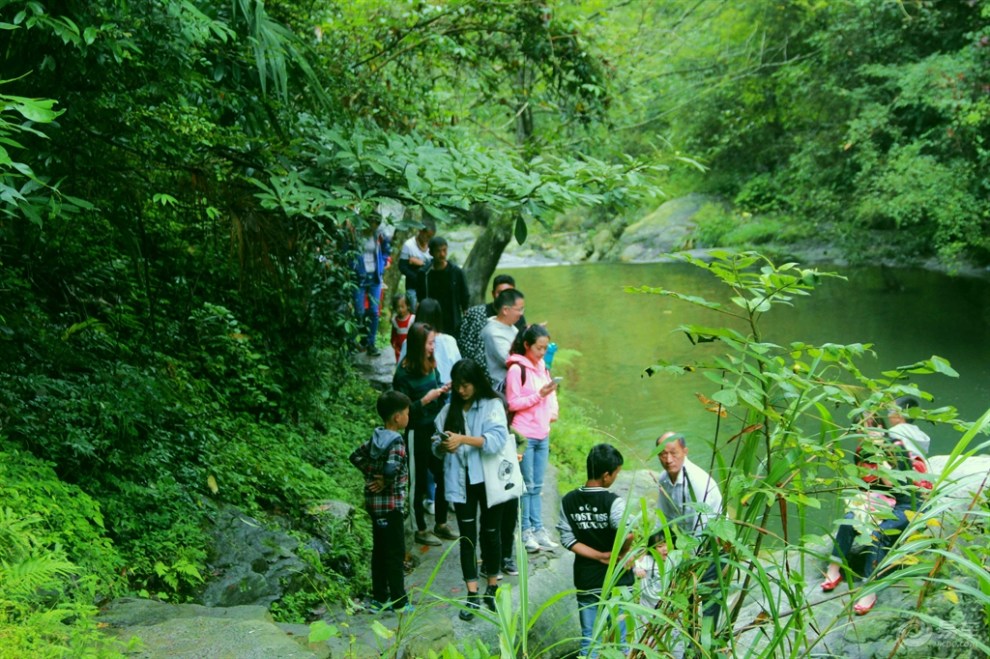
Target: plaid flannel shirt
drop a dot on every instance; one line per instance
(393, 496)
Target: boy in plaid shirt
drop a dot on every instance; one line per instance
(382, 460)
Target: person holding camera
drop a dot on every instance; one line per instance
(471, 424)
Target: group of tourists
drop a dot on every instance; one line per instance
(475, 397)
(473, 393)
(892, 458)
(893, 466)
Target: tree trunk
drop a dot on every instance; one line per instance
(486, 252)
(392, 275)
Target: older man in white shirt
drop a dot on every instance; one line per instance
(688, 499)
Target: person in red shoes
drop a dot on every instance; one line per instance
(883, 502)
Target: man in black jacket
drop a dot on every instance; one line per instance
(444, 282)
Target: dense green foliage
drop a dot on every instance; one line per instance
(180, 183)
(52, 542)
(865, 120)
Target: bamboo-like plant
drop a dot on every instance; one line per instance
(780, 447)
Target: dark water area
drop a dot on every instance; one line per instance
(907, 314)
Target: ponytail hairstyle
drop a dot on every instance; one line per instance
(417, 361)
(466, 371)
(528, 337)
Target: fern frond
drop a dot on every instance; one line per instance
(21, 580)
(15, 538)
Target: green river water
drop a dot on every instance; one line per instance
(907, 315)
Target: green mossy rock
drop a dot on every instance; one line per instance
(667, 229)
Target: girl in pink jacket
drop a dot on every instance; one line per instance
(532, 398)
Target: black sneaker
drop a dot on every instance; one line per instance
(490, 597)
(471, 605)
(373, 351)
(510, 568)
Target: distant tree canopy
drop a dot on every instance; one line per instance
(863, 115)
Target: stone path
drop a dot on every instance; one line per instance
(158, 630)
(247, 632)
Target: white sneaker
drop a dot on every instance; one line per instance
(530, 542)
(543, 540)
(430, 507)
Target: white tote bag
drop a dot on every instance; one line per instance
(503, 477)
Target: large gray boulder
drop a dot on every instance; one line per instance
(156, 630)
(254, 563)
(665, 230)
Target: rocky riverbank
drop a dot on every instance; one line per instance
(671, 228)
(156, 630)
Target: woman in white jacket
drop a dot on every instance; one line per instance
(472, 423)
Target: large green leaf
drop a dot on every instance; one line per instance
(520, 230)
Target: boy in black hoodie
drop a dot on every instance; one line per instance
(382, 460)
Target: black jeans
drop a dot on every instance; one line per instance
(425, 460)
(491, 532)
(388, 550)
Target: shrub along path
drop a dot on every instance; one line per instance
(247, 632)
(158, 630)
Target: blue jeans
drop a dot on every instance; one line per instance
(882, 538)
(534, 468)
(370, 289)
(588, 605)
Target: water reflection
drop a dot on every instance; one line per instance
(907, 315)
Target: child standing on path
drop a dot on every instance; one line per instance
(589, 519)
(382, 460)
(402, 320)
